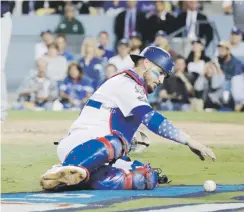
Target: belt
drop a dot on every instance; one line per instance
(97, 105)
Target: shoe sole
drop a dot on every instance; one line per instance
(68, 175)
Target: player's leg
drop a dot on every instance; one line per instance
(83, 159)
(126, 175)
(6, 30)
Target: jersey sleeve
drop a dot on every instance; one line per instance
(129, 95)
(161, 126)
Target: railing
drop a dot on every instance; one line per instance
(184, 41)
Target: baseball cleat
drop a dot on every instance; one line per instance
(62, 175)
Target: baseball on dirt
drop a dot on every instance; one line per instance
(209, 186)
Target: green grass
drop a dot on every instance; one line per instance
(219, 117)
(22, 165)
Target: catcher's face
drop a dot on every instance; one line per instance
(153, 76)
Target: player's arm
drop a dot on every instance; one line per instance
(160, 125)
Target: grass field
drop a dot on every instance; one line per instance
(28, 151)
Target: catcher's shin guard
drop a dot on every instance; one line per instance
(60, 176)
(95, 153)
(111, 178)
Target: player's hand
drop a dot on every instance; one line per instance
(201, 150)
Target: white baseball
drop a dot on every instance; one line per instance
(209, 186)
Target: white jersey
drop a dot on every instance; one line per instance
(118, 96)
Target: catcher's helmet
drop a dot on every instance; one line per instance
(158, 56)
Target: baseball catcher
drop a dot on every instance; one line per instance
(94, 152)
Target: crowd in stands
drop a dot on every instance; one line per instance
(64, 81)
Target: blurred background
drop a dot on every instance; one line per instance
(62, 51)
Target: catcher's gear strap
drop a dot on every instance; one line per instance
(133, 76)
(96, 152)
(159, 124)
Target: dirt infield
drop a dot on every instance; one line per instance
(50, 131)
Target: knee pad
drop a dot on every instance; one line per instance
(95, 153)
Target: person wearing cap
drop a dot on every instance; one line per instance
(162, 41)
(229, 64)
(135, 43)
(41, 48)
(159, 20)
(237, 48)
(122, 60)
(103, 134)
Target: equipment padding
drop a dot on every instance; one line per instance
(108, 178)
(95, 153)
(112, 178)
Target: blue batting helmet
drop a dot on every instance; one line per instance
(158, 56)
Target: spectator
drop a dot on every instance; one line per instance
(160, 20)
(90, 63)
(110, 71)
(197, 58)
(228, 63)
(96, 7)
(230, 67)
(69, 24)
(210, 86)
(39, 91)
(41, 47)
(162, 41)
(189, 20)
(177, 8)
(237, 49)
(129, 21)
(146, 6)
(61, 41)
(56, 64)
(37, 7)
(227, 7)
(75, 89)
(237, 88)
(101, 54)
(83, 7)
(135, 43)
(113, 8)
(103, 40)
(177, 89)
(80, 6)
(88, 7)
(122, 60)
